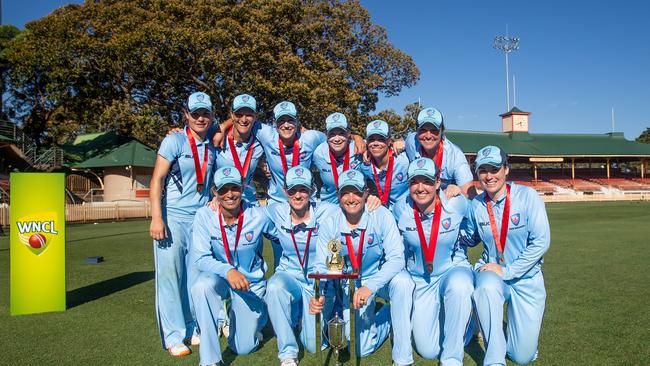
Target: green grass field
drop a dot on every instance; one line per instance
(597, 312)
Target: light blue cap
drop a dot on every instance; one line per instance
(377, 127)
(491, 155)
(199, 100)
(285, 109)
(423, 167)
(353, 178)
(430, 115)
(298, 176)
(227, 175)
(244, 101)
(336, 120)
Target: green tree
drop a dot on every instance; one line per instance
(644, 136)
(7, 33)
(129, 65)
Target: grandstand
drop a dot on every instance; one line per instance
(569, 166)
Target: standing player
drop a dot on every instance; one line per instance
(511, 221)
(430, 224)
(242, 150)
(227, 250)
(335, 155)
(182, 172)
(375, 249)
(386, 168)
(289, 289)
(430, 142)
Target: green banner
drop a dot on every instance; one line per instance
(37, 249)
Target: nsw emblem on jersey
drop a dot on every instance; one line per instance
(249, 236)
(371, 238)
(515, 219)
(446, 223)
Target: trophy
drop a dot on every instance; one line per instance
(336, 326)
(336, 336)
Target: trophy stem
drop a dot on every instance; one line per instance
(336, 357)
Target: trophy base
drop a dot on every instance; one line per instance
(334, 272)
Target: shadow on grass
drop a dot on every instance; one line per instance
(98, 290)
(475, 351)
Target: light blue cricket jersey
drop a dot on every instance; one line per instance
(322, 162)
(449, 253)
(180, 197)
(207, 251)
(268, 136)
(399, 187)
(225, 158)
(383, 250)
(280, 214)
(529, 234)
(455, 169)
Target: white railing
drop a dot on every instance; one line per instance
(107, 211)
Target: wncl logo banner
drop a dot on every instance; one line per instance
(37, 242)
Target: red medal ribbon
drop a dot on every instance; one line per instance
(383, 194)
(346, 166)
(355, 260)
(224, 238)
(235, 158)
(199, 170)
(500, 241)
(295, 155)
(439, 154)
(304, 257)
(429, 250)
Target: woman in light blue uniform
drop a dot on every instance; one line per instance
(511, 221)
(227, 251)
(386, 168)
(179, 187)
(430, 142)
(430, 224)
(335, 156)
(289, 290)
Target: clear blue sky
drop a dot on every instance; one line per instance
(577, 59)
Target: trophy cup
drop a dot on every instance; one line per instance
(336, 326)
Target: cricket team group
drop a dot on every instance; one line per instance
(401, 212)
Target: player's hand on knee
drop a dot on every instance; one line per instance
(492, 267)
(361, 296)
(316, 306)
(157, 229)
(237, 280)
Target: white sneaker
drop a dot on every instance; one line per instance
(225, 330)
(195, 340)
(289, 362)
(179, 350)
(259, 336)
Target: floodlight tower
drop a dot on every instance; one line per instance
(506, 44)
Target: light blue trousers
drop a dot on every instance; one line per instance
(442, 307)
(526, 300)
(174, 308)
(373, 327)
(247, 315)
(287, 298)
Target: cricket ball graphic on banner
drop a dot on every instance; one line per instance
(34, 232)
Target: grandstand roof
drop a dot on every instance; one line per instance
(551, 145)
(133, 153)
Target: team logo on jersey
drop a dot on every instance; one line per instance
(249, 236)
(299, 172)
(486, 152)
(376, 124)
(515, 219)
(371, 238)
(226, 172)
(400, 176)
(336, 116)
(283, 105)
(420, 163)
(351, 174)
(302, 155)
(446, 223)
(245, 98)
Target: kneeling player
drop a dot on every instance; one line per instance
(227, 250)
(511, 221)
(443, 278)
(372, 242)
